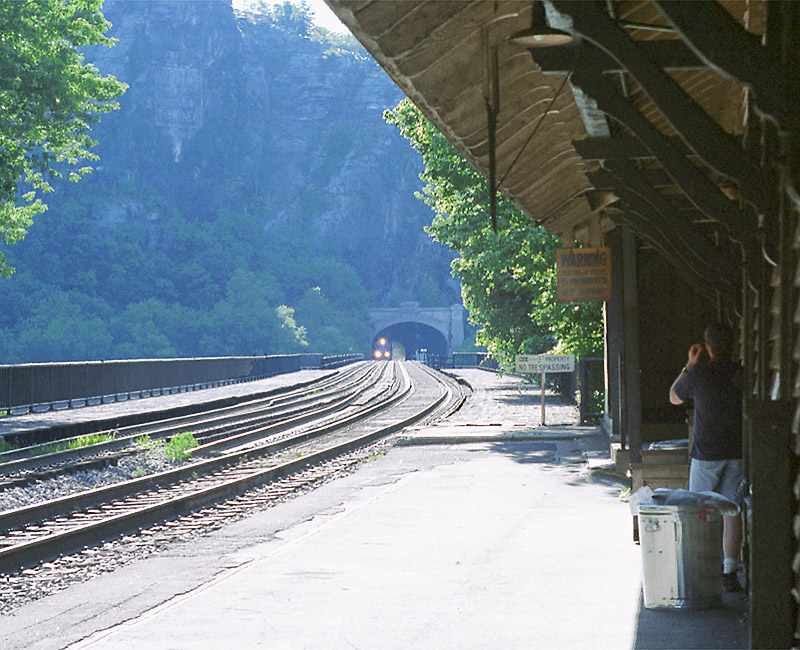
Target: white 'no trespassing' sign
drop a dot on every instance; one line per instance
(545, 362)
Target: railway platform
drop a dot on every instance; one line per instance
(112, 414)
(483, 531)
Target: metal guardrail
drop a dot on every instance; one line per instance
(43, 386)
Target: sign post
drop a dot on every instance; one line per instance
(544, 363)
(544, 374)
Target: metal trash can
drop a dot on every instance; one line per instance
(682, 556)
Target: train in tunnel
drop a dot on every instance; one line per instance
(382, 349)
(409, 340)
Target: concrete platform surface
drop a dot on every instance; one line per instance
(506, 542)
(107, 413)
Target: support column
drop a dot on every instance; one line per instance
(630, 369)
(771, 541)
(614, 335)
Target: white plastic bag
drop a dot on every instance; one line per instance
(667, 497)
(642, 495)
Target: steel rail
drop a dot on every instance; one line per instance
(26, 515)
(220, 405)
(33, 551)
(164, 428)
(284, 424)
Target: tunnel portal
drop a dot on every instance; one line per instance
(412, 328)
(409, 339)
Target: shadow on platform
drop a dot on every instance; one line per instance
(719, 628)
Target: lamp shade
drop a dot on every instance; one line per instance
(541, 37)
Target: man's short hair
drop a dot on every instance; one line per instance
(719, 338)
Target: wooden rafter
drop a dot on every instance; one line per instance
(704, 194)
(699, 251)
(653, 217)
(723, 44)
(638, 216)
(701, 132)
(623, 146)
(668, 55)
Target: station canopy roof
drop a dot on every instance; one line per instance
(588, 114)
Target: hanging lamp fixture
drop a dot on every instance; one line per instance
(540, 34)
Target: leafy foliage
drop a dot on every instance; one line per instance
(177, 448)
(287, 16)
(274, 230)
(48, 100)
(508, 278)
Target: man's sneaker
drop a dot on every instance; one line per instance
(730, 582)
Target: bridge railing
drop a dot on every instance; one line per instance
(42, 386)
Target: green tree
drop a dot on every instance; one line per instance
(331, 329)
(508, 279)
(248, 322)
(48, 99)
(59, 330)
(286, 16)
(148, 329)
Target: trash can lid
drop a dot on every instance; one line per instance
(667, 508)
(672, 500)
(670, 444)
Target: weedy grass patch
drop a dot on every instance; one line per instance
(145, 442)
(91, 439)
(179, 445)
(82, 441)
(52, 448)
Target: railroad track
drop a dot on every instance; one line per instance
(21, 467)
(227, 469)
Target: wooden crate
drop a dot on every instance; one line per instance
(658, 475)
(665, 457)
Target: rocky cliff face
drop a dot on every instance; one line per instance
(249, 198)
(227, 113)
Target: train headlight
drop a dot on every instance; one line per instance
(382, 342)
(386, 354)
(378, 354)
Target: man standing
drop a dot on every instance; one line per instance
(716, 451)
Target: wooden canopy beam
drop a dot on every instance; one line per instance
(668, 55)
(704, 194)
(666, 229)
(655, 178)
(648, 230)
(718, 40)
(702, 133)
(706, 255)
(622, 146)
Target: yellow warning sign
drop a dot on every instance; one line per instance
(584, 274)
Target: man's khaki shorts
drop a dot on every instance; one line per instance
(721, 476)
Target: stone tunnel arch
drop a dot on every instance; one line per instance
(409, 338)
(436, 329)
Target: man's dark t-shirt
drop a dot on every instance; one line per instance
(717, 410)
